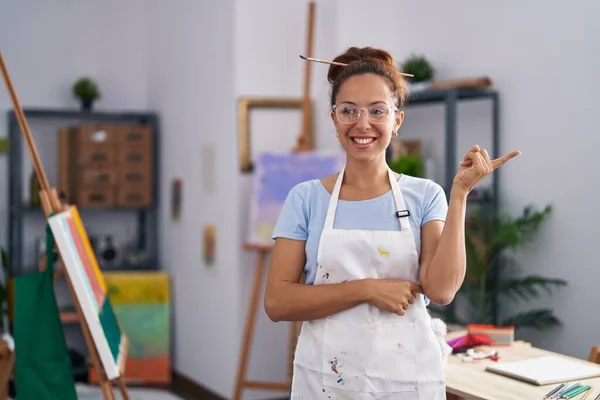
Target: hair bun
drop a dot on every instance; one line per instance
(363, 55)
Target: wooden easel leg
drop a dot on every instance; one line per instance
(107, 390)
(5, 376)
(250, 323)
(123, 388)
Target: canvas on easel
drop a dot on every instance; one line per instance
(91, 290)
(275, 175)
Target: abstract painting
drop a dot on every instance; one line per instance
(275, 175)
(142, 304)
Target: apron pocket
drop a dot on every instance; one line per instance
(363, 357)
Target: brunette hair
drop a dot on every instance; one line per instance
(367, 60)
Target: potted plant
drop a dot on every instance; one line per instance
(409, 164)
(86, 90)
(421, 68)
(492, 277)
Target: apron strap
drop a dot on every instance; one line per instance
(333, 201)
(401, 211)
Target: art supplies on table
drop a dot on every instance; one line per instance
(546, 370)
(472, 355)
(463, 343)
(499, 335)
(568, 391)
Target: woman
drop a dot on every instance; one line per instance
(375, 247)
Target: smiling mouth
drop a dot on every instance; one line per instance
(363, 140)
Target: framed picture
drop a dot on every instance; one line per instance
(272, 124)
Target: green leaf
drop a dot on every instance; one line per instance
(507, 265)
(419, 66)
(409, 165)
(528, 287)
(537, 319)
(515, 232)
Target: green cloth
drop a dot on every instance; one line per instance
(43, 369)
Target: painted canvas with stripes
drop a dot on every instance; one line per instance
(90, 288)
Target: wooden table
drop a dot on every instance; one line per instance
(469, 380)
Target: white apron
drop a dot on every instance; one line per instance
(365, 353)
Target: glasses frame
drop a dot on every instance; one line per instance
(394, 109)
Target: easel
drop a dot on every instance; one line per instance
(7, 362)
(304, 142)
(51, 204)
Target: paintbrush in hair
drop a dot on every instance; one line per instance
(338, 63)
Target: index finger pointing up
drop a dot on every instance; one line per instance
(498, 162)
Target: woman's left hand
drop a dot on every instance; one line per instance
(476, 165)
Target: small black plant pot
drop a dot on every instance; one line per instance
(87, 104)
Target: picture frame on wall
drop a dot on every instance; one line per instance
(268, 124)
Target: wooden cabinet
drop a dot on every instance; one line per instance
(106, 165)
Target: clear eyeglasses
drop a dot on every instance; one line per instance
(348, 113)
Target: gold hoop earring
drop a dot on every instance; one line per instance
(337, 135)
(394, 133)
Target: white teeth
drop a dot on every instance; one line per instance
(363, 140)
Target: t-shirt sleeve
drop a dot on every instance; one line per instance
(292, 222)
(435, 205)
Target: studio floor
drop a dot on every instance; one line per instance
(86, 392)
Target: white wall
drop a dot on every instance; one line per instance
(191, 61)
(46, 47)
(544, 69)
(191, 80)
